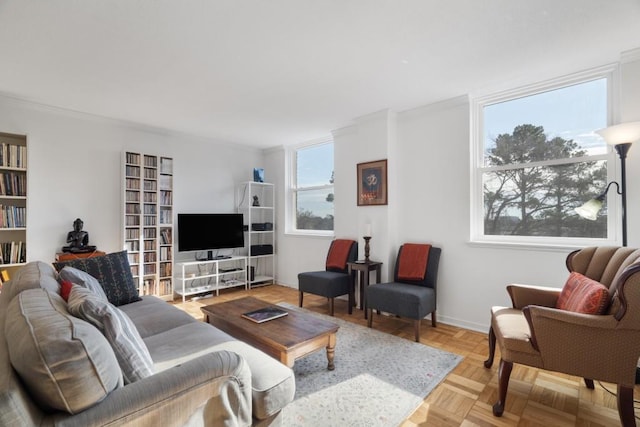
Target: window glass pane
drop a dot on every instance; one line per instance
(563, 117)
(315, 165)
(314, 209)
(540, 201)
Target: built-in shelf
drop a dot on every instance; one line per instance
(13, 200)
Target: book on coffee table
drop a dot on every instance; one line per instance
(264, 314)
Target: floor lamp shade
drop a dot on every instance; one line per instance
(621, 134)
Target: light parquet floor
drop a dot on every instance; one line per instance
(465, 397)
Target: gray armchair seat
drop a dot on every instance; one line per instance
(414, 296)
(335, 280)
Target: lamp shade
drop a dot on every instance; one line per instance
(590, 209)
(621, 134)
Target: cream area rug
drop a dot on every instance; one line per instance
(379, 379)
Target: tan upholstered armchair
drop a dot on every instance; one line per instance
(602, 347)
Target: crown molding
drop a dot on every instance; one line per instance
(630, 56)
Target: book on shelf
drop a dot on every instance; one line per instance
(264, 314)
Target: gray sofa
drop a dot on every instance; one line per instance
(203, 377)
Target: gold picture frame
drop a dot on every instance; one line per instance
(372, 183)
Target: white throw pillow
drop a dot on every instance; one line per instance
(131, 351)
(84, 279)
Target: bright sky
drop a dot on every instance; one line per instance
(573, 112)
(315, 166)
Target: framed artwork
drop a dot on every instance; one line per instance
(372, 183)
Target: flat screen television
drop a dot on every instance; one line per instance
(207, 231)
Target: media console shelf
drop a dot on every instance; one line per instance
(206, 276)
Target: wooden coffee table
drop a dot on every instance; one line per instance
(287, 338)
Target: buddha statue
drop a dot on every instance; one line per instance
(78, 239)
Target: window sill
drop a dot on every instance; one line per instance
(540, 246)
(311, 233)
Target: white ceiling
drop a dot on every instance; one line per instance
(272, 72)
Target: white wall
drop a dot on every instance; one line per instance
(74, 163)
(630, 111)
(434, 206)
(75, 171)
(429, 201)
(368, 139)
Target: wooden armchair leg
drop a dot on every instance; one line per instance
(416, 328)
(492, 349)
(330, 306)
(433, 319)
(589, 383)
(504, 372)
(370, 318)
(351, 302)
(625, 406)
(300, 299)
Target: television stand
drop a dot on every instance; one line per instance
(211, 257)
(209, 276)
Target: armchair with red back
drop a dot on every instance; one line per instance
(412, 293)
(334, 280)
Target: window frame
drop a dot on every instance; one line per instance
(292, 190)
(613, 202)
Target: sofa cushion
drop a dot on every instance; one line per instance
(48, 348)
(82, 278)
(183, 343)
(152, 316)
(131, 352)
(581, 294)
(272, 383)
(112, 272)
(36, 274)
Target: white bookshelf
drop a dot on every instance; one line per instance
(256, 238)
(13, 200)
(148, 221)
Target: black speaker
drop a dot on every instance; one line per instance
(251, 273)
(261, 250)
(262, 226)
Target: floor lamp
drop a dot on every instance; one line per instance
(621, 137)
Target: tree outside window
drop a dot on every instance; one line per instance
(541, 159)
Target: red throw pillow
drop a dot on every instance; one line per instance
(339, 254)
(65, 289)
(583, 295)
(412, 264)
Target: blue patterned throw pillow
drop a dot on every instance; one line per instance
(112, 272)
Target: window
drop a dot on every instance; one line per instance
(311, 189)
(537, 159)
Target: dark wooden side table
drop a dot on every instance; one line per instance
(68, 256)
(364, 268)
